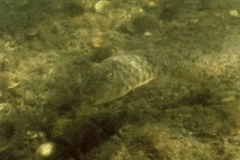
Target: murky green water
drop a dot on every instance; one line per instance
(124, 80)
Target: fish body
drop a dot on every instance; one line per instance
(114, 77)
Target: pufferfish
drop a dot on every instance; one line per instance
(116, 76)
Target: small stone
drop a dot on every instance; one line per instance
(194, 21)
(101, 6)
(147, 34)
(152, 3)
(46, 150)
(35, 134)
(228, 99)
(234, 13)
(9, 46)
(13, 85)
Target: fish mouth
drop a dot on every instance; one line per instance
(105, 99)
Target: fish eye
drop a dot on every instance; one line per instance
(110, 76)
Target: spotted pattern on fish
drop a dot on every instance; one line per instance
(114, 77)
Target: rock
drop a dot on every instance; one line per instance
(101, 6)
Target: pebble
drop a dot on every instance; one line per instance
(234, 13)
(147, 34)
(45, 149)
(228, 99)
(101, 6)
